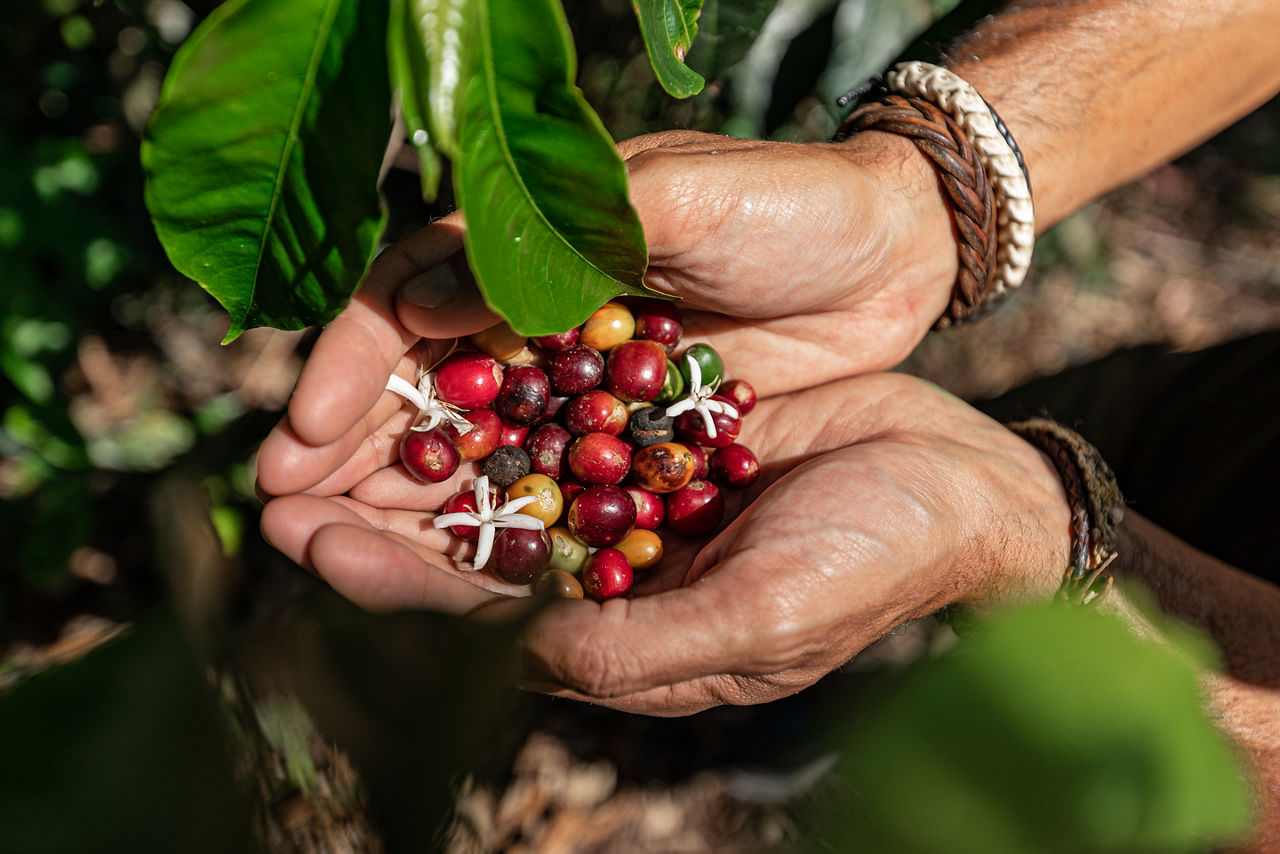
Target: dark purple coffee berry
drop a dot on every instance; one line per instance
(651, 426)
(575, 369)
(546, 447)
(735, 466)
(506, 465)
(524, 394)
(520, 555)
(696, 509)
(558, 342)
(602, 515)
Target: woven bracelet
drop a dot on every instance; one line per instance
(1001, 166)
(1096, 505)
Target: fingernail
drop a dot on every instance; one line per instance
(431, 289)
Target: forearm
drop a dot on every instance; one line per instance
(1098, 92)
(1241, 614)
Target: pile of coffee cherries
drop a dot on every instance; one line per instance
(592, 443)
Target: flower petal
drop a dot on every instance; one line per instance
(484, 546)
(406, 389)
(448, 520)
(516, 504)
(695, 373)
(520, 520)
(707, 421)
(680, 406)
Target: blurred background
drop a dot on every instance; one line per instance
(127, 433)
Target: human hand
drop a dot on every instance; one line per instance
(799, 263)
(882, 498)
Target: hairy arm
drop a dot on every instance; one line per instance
(1098, 92)
(1241, 613)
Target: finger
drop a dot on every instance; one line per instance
(624, 646)
(380, 574)
(348, 367)
(288, 464)
(443, 301)
(395, 488)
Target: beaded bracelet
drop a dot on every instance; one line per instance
(914, 84)
(1096, 505)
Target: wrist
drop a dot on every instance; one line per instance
(917, 245)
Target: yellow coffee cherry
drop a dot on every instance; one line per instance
(501, 342)
(608, 326)
(550, 502)
(641, 547)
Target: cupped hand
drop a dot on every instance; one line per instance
(882, 499)
(800, 263)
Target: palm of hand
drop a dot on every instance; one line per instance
(865, 515)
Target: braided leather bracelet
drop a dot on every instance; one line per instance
(1096, 505)
(1001, 162)
(964, 182)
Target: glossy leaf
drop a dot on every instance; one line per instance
(550, 233)
(438, 34)
(408, 67)
(669, 28)
(263, 154)
(727, 29)
(1047, 729)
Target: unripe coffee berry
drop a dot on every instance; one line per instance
(429, 455)
(524, 394)
(662, 468)
(672, 385)
(550, 503)
(468, 380)
(575, 369)
(636, 370)
(602, 515)
(558, 583)
(709, 362)
(735, 466)
(607, 327)
(506, 465)
(482, 439)
(520, 555)
(547, 446)
(696, 510)
(599, 458)
(568, 553)
(607, 575)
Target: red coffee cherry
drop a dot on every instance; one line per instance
(465, 502)
(596, 411)
(429, 455)
(734, 465)
(740, 393)
(695, 510)
(607, 575)
(649, 508)
(482, 439)
(691, 426)
(468, 380)
(658, 320)
(599, 458)
(636, 370)
(558, 342)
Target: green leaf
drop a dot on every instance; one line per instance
(409, 67)
(1048, 729)
(550, 233)
(263, 154)
(728, 28)
(669, 27)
